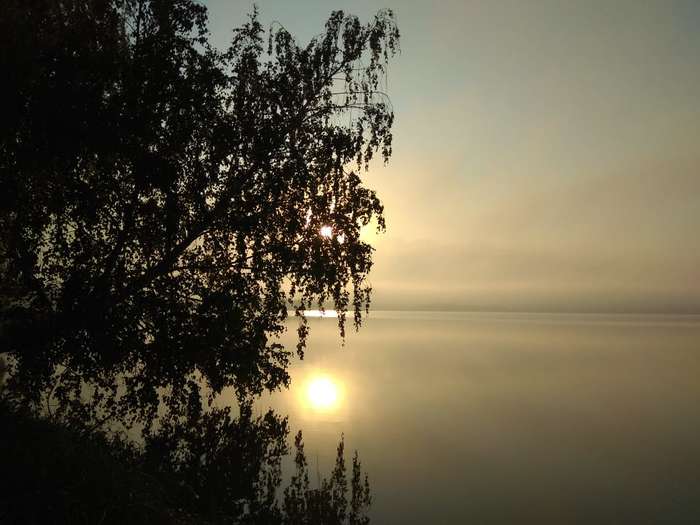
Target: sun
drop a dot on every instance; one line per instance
(327, 232)
(322, 393)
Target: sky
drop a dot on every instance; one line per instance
(546, 153)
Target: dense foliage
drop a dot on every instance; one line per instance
(161, 210)
(53, 474)
(161, 200)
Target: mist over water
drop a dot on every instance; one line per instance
(509, 418)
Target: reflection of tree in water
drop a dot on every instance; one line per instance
(162, 203)
(225, 471)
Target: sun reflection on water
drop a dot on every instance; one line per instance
(323, 393)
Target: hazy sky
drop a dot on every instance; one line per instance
(546, 154)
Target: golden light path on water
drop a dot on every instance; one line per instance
(322, 393)
(318, 390)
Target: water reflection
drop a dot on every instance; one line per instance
(323, 393)
(512, 418)
(318, 395)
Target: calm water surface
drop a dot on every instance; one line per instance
(508, 418)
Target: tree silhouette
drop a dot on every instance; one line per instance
(328, 503)
(162, 205)
(220, 471)
(162, 200)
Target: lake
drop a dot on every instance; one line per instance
(508, 418)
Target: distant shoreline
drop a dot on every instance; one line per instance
(515, 316)
(331, 313)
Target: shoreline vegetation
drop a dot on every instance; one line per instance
(163, 203)
(55, 474)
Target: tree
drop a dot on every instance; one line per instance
(162, 201)
(328, 503)
(227, 472)
(162, 205)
